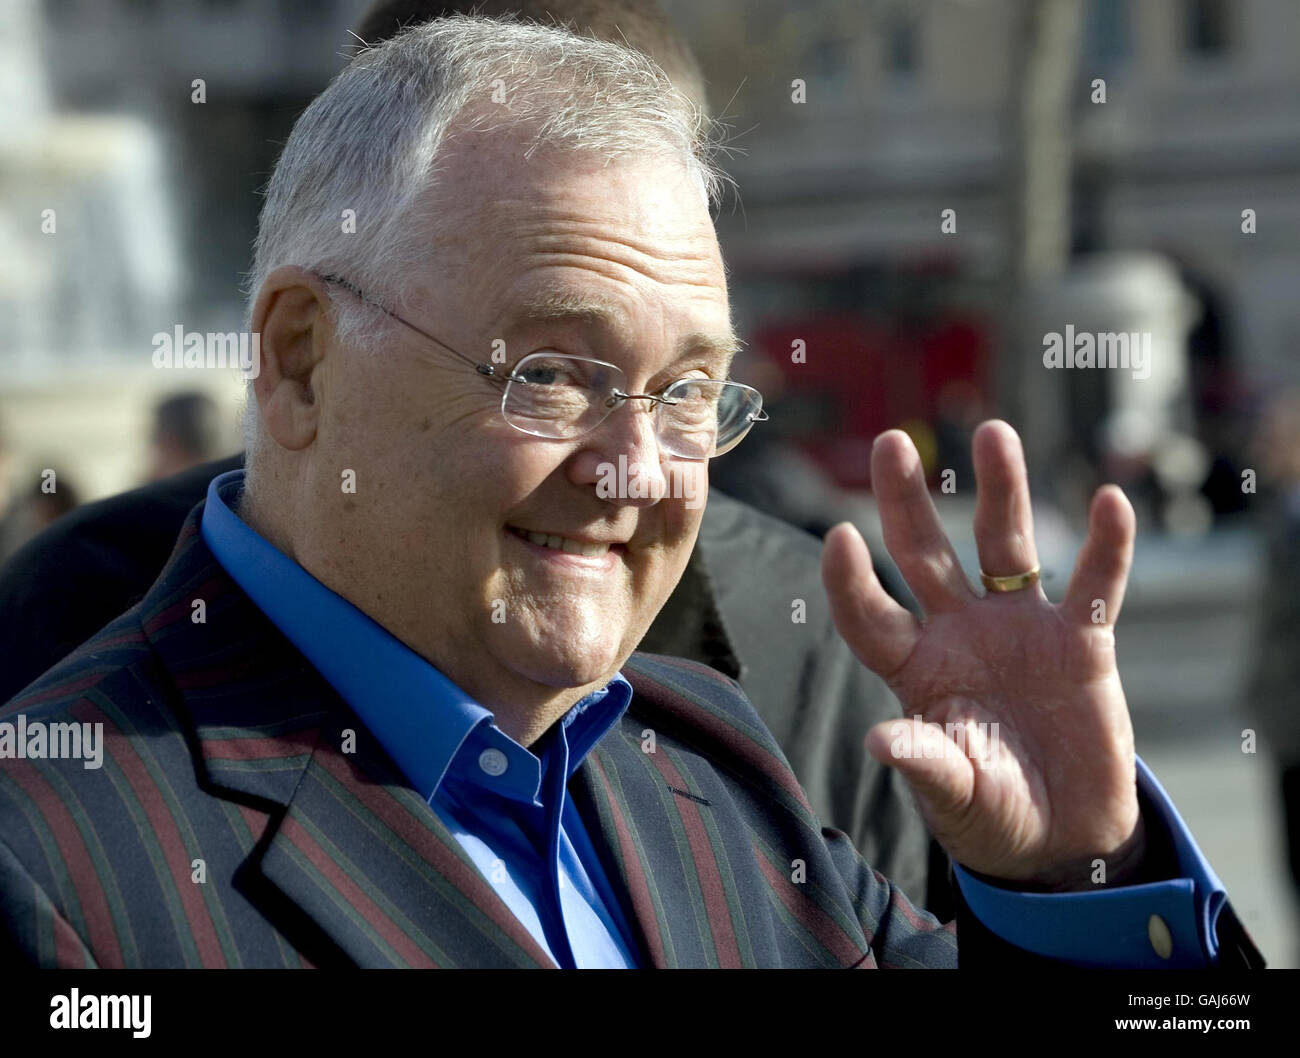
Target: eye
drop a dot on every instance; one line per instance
(550, 370)
(547, 371)
(699, 398)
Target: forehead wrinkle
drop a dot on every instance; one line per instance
(550, 230)
(588, 308)
(696, 267)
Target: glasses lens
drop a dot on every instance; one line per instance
(707, 417)
(553, 395)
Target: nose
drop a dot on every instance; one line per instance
(621, 457)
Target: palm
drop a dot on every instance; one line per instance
(1051, 787)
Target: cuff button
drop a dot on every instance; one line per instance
(1162, 942)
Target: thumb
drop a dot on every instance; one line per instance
(938, 770)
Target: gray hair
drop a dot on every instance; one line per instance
(370, 143)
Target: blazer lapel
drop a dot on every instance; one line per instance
(364, 856)
(607, 816)
(339, 833)
(653, 835)
(678, 858)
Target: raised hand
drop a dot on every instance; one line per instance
(1052, 787)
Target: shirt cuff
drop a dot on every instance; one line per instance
(1168, 924)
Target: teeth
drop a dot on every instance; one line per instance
(562, 543)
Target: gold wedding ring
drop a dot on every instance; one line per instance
(1015, 582)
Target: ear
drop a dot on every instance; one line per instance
(292, 315)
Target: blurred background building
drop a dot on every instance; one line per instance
(137, 136)
(912, 108)
(927, 189)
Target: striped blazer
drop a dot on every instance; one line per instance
(231, 823)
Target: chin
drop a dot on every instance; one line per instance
(571, 663)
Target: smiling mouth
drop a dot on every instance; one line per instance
(590, 549)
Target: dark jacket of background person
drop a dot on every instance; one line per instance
(1275, 685)
(733, 610)
(1274, 692)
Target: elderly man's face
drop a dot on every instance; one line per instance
(616, 262)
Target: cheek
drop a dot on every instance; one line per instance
(468, 481)
(663, 566)
(684, 530)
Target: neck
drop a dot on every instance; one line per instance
(255, 515)
(529, 722)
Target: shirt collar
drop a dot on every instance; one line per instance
(421, 718)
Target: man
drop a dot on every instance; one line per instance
(731, 609)
(186, 433)
(374, 711)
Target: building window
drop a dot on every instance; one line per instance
(829, 61)
(1208, 28)
(902, 48)
(1107, 31)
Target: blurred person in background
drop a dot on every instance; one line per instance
(186, 432)
(1274, 693)
(959, 409)
(1128, 443)
(26, 510)
(773, 473)
(50, 494)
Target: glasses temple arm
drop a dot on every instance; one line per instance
(485, 369)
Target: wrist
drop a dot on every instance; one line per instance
(1128, 864)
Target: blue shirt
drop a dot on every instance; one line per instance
(507, 806)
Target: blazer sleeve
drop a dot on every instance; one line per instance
(900, 935)
(32, 931)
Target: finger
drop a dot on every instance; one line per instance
(879, 631)
(1100, 576)
(1004, 521)
(912, 530)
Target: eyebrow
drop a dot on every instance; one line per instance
(570, 307)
